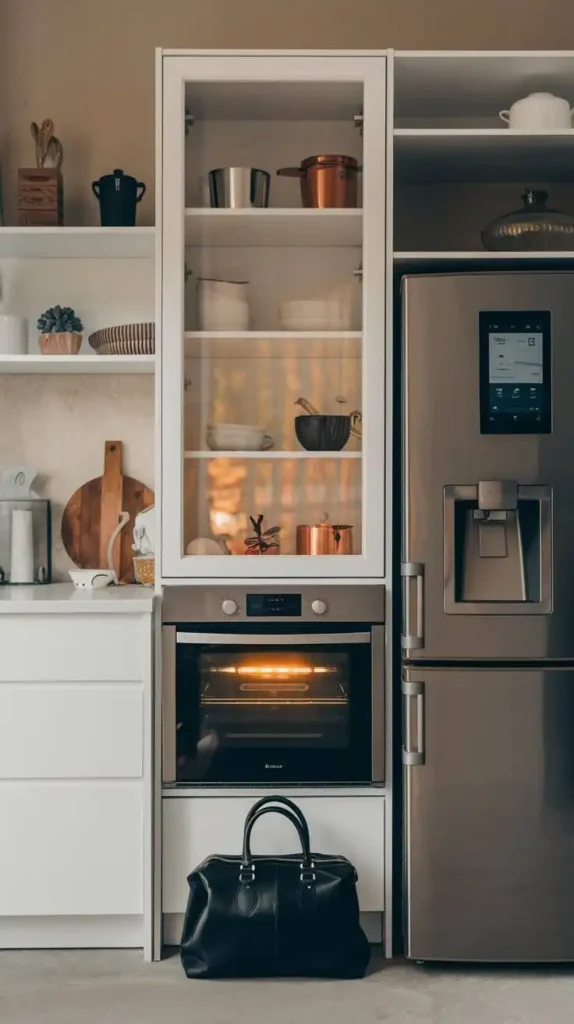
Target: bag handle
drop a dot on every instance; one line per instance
(247, 865)
(266, 800)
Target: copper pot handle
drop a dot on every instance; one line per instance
(292, 172)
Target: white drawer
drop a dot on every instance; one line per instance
(194, 827)
(57, 731)
(71, 848)
(58, 648)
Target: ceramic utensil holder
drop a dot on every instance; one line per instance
(40, 197)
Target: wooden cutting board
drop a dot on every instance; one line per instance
(94, 510)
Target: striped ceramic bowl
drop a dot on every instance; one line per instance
(125, 340)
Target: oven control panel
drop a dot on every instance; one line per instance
(265, 602)
(273, 606)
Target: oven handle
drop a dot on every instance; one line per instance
(287, 639)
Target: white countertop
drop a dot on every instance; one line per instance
(52, 598)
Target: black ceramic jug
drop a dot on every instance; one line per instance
(118, 194)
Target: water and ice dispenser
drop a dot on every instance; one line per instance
(498, 550)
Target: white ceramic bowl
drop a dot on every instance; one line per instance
(237, 437)
(204, 546)
(92, 579)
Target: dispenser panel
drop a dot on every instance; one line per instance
(515, 386)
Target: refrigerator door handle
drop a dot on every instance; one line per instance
(414, 700)
(412, 640)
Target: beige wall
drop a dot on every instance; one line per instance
(89, 64)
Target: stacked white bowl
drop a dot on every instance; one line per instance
(237, 437)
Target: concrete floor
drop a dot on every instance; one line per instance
(115, 987)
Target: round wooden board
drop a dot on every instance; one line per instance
(93, 512)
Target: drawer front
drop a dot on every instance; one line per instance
(57, 731)
(195, 827)
(71, 848)
(61, 648)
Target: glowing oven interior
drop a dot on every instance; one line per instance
(258, 697)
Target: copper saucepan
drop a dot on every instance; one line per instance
(327, 182)
(325, 539)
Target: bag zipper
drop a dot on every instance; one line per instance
(284, 859)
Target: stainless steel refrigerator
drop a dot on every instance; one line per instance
(488, 616)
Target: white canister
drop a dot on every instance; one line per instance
(222, 305)
(22, 547)
(13, 335)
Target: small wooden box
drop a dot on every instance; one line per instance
(40, 197)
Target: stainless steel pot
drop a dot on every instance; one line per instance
(234, 188)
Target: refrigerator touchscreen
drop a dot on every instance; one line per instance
(515, 395)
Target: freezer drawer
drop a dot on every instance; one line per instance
(489, 814)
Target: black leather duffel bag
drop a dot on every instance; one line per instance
(292, 915)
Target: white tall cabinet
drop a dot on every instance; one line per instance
(270, 111)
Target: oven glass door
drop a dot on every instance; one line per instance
(273, 708)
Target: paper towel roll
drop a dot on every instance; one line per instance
(22, 552)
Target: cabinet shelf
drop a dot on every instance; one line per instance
(276, 101)
(272, 455)
(77, 243)
(475, 83)
(404, 261)
(76, 364)
(273, 344)
(482, 154)
(273, 227)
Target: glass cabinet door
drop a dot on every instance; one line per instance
(272, 316)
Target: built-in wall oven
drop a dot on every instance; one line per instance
(264, 685)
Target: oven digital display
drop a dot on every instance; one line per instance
(273, 606)
(515, 373)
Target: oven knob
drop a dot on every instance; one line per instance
(229, 607)
(319, 607)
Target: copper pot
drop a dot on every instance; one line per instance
(325, 539)
(326, 181)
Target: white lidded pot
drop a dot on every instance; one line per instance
(538, 112)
